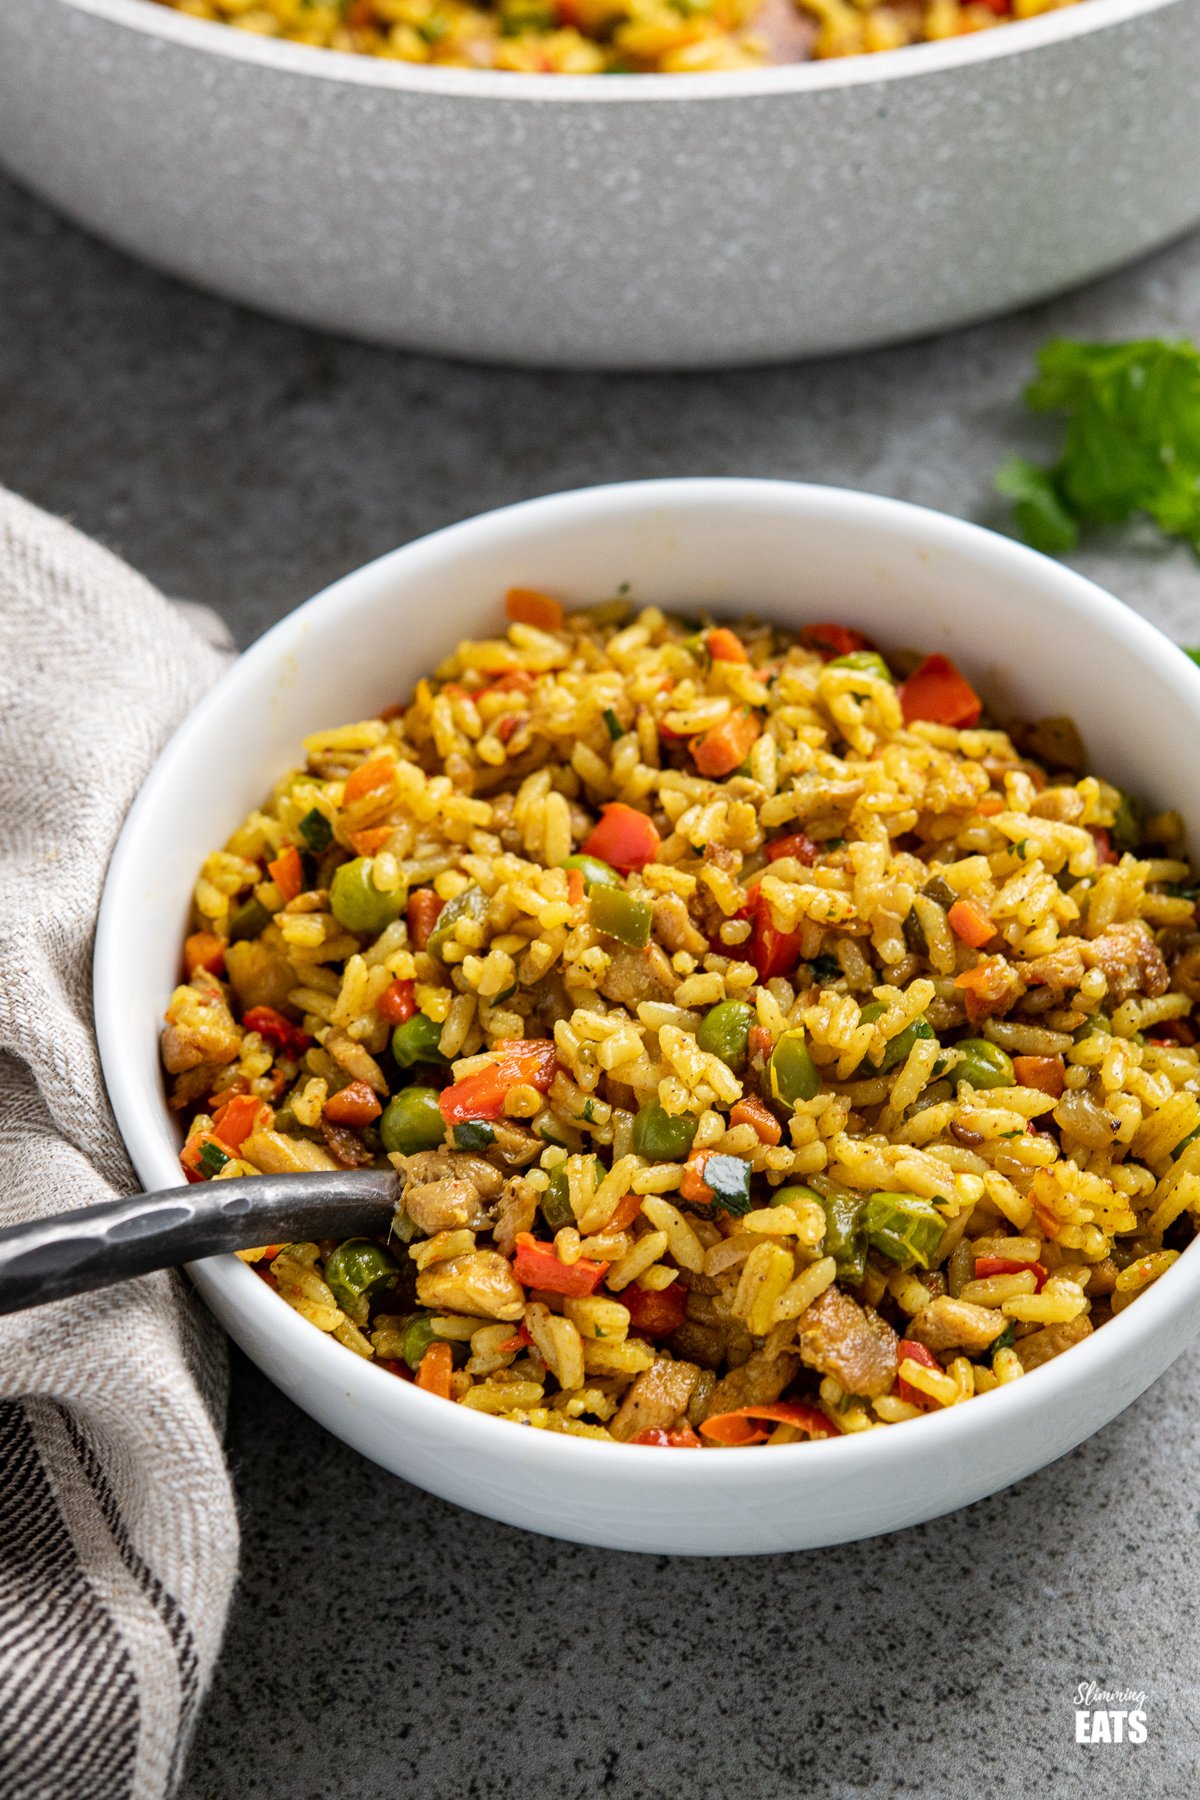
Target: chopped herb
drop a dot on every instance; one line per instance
(1006, 1340)
(835, 843)
(474, 1134)
(1021, 849)
(1131, 445)
(316, 831)
(1012, 1134)
(615, 728)
(589, 1112)
(826, 968)
(212, 1158)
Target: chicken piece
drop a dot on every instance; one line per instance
(699, 1343)
(345, 1146)
(516, 1213)
(200, 1028)
(1040, 1346)
(637, 975)
(948, 1324)
(259, 971)
(481, 1284)
(852, 1343)
(1061, 969)
(514, 1145)
(1131, 960)
(447, 1190)
(436, 1165)
(655, 1401)
(675, 928)
(275, 1154)
(358, 1063)
(760, 1379)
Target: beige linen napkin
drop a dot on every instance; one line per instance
(118, 1537)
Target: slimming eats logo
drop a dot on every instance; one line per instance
(1109, 1715)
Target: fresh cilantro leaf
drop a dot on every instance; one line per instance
(316, 831)
(473, 1134)
(615, 728)
(1131, 445)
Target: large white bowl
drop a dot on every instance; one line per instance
(1035, 636)
(614, 221)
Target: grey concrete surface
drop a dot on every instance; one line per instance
(384, 1644)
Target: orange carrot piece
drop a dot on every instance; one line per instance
(526, 606)
(575, 886)
(236, 1119)
(750, 1110)
(626, 1212)
(692, 1185)
(990, 805)
(371, 841)
(435, 1369)
(1046, 1073)
(354, 1105)
(939, 694)
(369, 778)
(287, 872)
(971, 924)
(724, 748)
(984, 986)
(204, 950)
(725, 646)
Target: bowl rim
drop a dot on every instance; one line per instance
(371, 1388)
(1025, 35)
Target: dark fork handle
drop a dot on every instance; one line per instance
(74, 1252)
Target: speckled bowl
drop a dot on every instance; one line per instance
(614, 221)
(1039, 639)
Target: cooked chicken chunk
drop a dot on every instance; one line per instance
(480, 1283)
(760, 1379)
(947, 1324)
(656, 1399)
(674, 926)
(852, 1343)
(446, 1190)
(200, 1028)
(1040, 1346)
(637, 975)
(1131, 960)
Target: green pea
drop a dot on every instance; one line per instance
(358, 904)
(250, 918)
(983, 1064)
(846, 1235)
(413, 1121)
(791, 1072)
(416, 1041)
(904, 1228)
(356, 1268)
(868, 662)
(595, 872)
(616, 914)
(663, 1136)
(555, 1203)
(896, 1049)
(416, 1337)
(724, 1031)
(794, 1196)
(471, 904)
(1099, 1022)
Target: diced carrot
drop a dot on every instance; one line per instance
(511, 681)
(737, 1427)
(287, 872)
(575, 886)
(354, 1105)
(624, 837)
(833, 640)
(726, 646)
(237, 1118)
(1008, 1265)
(971, 924)
(520, 1340)
(521, 1062)
(985, 987)
(627, 1210)
(990, 805)
(397, 1002)
(796, 845)
(759, 1041)
(371, 840)
(655, 1312)
(750, 1110)
(423, 908)
(435, 1369)
(939, 694)
(369, 778)
(526, 606)
(908, 1350)
(692, 1185)
(204, 950)
(726, 747)
(1046, 1073)
(536, 1266)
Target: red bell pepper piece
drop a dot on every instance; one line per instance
(908, 1350)
(797, 844)
(423, 908)
(833, 640)
(1008, 1265)
(655, 1313)
(939, 694)
(624, 837)
(736, 1427)
(277, 1030)
(726, 646)
(520, 1062)
(726, 746)
(772, 952)
(682, 1437)
(536, 1266)
(397, 1002)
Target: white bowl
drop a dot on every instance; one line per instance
(1035, 636)
(614, 221)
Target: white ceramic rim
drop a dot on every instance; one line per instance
(374, 1390)
(794, 78)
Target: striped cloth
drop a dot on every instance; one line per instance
(118, 1537)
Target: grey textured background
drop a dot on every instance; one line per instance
(385, 1644)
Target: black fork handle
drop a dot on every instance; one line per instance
(75, 1252)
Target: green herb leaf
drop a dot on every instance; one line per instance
(212, 1159)
(474, 1134)
(316, 831)
(615, 728)
(1132, 441)
(729, 1179)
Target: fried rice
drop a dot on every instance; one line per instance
(769, 1043)
(589, 37)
